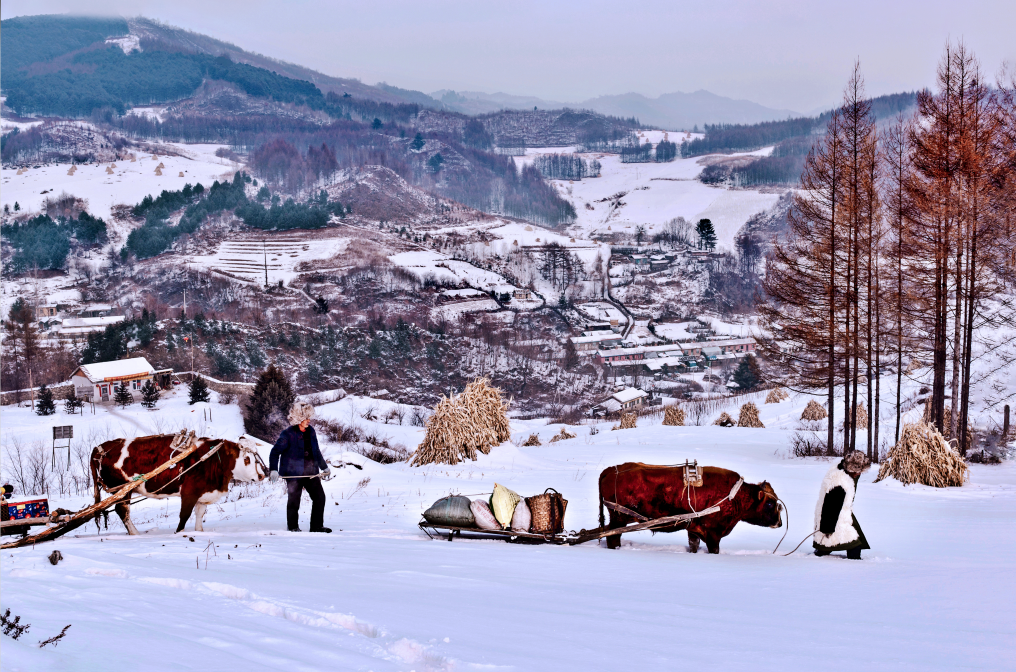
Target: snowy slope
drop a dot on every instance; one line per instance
(933, 593)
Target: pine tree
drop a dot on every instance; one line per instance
(265, 415)
(416, 145)
(321, 306)
(123, 397)
(197, 391)
(45, 405)
(149, 395)
(707, 234)
(748, 375)
(73, 403)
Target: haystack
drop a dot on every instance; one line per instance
(533, 440)
(724, 420)
(673, 416)
(862, 417)
(109, 170)
(628, 421)
(814, 411)
(563, 436)
(776, 395)
(749, 416)
(923, 456)
(158, 171)
(914, 365)
(181, 174)
(474, 421)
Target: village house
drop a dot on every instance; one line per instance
(95, 310)
(79, 327)
(97, 382)
(589, 343)
(624, 400)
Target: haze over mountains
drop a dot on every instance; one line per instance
(670, 111)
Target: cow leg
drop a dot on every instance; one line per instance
(199, 516)
(187, 503)
(123, 509)
(614, 541)
(693, 542)
(712, 544)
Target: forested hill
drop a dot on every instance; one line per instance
(64, 66)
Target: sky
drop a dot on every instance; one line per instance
(787, 54)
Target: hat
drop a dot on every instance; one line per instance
(855, 461)
(300, 411)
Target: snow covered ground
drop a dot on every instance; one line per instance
(246, 255)
(129, 183)
(654, 194)
(933, 593)
(444, 269)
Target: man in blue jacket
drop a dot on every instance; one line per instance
(301, 458)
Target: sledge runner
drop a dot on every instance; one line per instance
(300, 461)
(838, 529)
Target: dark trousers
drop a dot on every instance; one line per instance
(296, 486)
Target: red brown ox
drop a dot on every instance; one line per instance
(197, 483)
(657, 491)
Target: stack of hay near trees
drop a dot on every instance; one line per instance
(673, 416)
(724, 420)
(461, 426)
(749, 416)
(923, 456)
(563, 436)
(814, 411)
(628, 421)
(533, 440)
(776, 395)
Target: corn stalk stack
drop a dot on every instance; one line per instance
(749, 416)
(462, 426)
(923, 456)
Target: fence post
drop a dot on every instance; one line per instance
(1005, 422)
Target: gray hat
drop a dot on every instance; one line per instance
(855, 461)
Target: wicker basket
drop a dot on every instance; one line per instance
(547, 511)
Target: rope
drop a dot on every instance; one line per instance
(799, 545)
(787, 509)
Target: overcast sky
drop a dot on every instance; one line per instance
(793, 54)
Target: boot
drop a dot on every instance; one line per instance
(854, 553)
(326, 530)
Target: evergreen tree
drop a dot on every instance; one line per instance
(265, 415)
(415, 145)
(707, 234)
(376, 124)
(321, 306)
(197, 391)
(748, 375)
(45, 405)
(435, 162)
(149, 395)
(123, 397)
(73, 403)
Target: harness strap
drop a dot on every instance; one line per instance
(625, 510)
(733, 490)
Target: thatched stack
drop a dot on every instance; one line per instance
(564, 435)
(914, 365)
(923, 456)
(749, 416)
(628, 421)
(673, 416)
(862, 417)
(814, 411)
(461, 426)
(724, 420)
(776, 395)
(533, 440)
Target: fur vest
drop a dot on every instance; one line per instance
(844, 532)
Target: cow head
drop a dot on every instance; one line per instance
(764, 508)
(248, 465)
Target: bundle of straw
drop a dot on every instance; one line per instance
(914, 365)
(533, 440)
(724, 420)
(674, 416)
(564, 435)
(461, 426)
(814, 411)
(749, 416)
(923, 456)
(776, 395)
(628, 420)
(862, 417)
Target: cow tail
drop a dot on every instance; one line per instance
(93, 470)
(602, 521)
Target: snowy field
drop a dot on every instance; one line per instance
(935, 591)
(247, 255)
(129, 183)
(445, 270)
(655, 193)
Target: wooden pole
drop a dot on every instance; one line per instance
(1005, 423)
(81, 517)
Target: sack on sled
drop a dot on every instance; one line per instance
(452, 510)
(502, 504)
(485, 520)
(548, 512)
(522, 519)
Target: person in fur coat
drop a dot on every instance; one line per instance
(837, 528)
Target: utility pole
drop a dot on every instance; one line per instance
(264, 249)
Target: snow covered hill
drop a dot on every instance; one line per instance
(377, 594)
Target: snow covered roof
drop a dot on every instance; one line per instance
(596, 338)
(628, 394)
(93, 321)
(123, 369)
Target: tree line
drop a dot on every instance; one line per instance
(901, 245)
(44, 243)
(566, 166)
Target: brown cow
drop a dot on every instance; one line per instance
(656, 491)
(197, 483)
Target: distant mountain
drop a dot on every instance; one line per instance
(671, 111)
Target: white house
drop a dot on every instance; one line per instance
(97, 382)
(624, 400)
